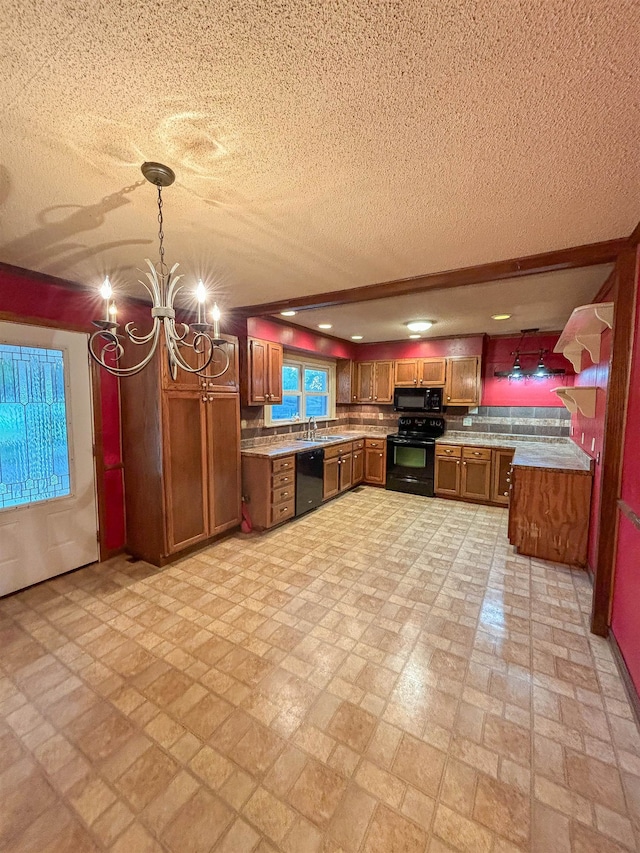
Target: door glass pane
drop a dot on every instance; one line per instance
(288, 409)
(410, 457)
(317, 407)
(290, 378)
(34, 448)
(316, 380)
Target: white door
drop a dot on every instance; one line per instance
(48, 520)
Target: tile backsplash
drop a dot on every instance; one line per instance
(511, 420)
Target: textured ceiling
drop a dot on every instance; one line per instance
(317, 145)
(543, 301)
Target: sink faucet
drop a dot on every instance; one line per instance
(312, 428)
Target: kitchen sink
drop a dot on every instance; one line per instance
(324, 438)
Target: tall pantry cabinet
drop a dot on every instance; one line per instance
(181, 449)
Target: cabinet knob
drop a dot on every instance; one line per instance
(355, 396)
(506, 494)
(464, 463)
(204, 398)
(457, 461)
(285, 479)
(415, 381)
(212, 385)
(448, 398)
(375, 398)
(476, 453)
(381, 454)
(285, 494)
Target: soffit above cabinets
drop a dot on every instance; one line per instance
(316, 146)
(543, 301)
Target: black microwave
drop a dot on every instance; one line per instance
(417, 400)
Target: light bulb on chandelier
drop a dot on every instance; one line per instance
(106, 345)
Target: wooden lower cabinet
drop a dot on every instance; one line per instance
(472, 473)
(331, 482)
(375, 461)
(338, 470)
(500, 476)
(269, 489)
(358, 462)
(549, 514)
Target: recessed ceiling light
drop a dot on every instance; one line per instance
(500, 316)
(415, 336)
(324, 325)
(356, 337)
(419, 325)
(288, 313)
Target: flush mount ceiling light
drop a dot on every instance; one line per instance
(288, 313)
(415, 336)
(324, 325)
(419, 325)
(106, 345)
(500, 316)
(356, 337)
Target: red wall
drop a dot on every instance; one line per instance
(296, 337)
(32, 298)
(501, 391)
(471, 345)
(625, 622)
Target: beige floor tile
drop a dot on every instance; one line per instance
(383, 675)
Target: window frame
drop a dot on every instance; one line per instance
(302, 362)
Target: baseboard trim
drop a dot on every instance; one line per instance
(629, 686)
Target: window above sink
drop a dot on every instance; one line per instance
(308, 390)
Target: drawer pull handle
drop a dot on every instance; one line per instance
(285, 479)
(477, 453)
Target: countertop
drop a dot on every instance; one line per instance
(557, 454)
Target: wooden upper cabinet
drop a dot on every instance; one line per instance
(432, 372)
(406, 373)
(344, 381)
(264, 367)
(374, 382)
(364, 382)
(383, 382)
(425, 372)
(181, 380)
(463, 381)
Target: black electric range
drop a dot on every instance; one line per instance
(411, 454)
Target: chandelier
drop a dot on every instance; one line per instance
(106, 345)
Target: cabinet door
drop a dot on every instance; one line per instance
(274, 373)
(406, 373)
(227, 381)
(476, 479)
(223, 451)
(185, 462)
(374, 466)
(346, 471)
(331, 481)
(463, 381)
(383, 382)
(344, 381)
(257, 372)
(447, 479)
(176, 379)
(358, 466)
(432, 372)
(500, 479)
(364, 381)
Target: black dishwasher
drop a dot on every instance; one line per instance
(309, 479)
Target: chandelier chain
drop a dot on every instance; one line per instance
(163, 267)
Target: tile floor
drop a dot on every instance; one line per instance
(384, 675)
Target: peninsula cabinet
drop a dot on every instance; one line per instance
(425, 372)
(549, 514)
(181, 452)
(500, 476)
(264, 372)
(463, 382)
(375, 461)
(373, 382)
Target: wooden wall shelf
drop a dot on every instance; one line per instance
(579, 398)
(582, 332)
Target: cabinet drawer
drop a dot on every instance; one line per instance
(477, 453)
(284, 478)
(376, 443)
(336, 450)
(448, 450)
(284, 494)
(281, 512)
(287, 463)
(358, 445)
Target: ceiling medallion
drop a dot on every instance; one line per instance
(106, 346)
